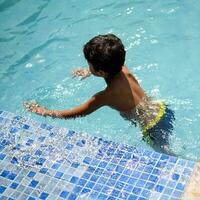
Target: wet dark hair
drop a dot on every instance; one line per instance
(106, 53)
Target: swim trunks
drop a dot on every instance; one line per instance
(158, 131)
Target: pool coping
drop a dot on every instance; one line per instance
(192, 190)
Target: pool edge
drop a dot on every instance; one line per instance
(192, 191)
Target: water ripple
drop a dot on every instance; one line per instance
(30, 54)
(89, 17)
(129, 3)
(30, 19)
(7, 4)
(104, 6)
(7, 39)
(33, 16)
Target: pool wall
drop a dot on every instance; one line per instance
(41, 161)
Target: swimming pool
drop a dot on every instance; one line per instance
(41, 43)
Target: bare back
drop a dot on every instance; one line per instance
(124, 92)
(125, 95)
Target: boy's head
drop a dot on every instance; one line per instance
(105, 53)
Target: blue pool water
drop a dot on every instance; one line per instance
(41, 43)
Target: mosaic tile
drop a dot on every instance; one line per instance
(48, 162)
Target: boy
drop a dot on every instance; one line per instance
(105, 55)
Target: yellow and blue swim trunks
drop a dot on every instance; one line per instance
(158, 131)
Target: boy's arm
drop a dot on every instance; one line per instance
(86, 108)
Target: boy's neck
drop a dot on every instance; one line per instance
(109, 79)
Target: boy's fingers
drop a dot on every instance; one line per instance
(79, 72)
(84, 77)
(75, 71)
(27, 106)
(83, 73)
(31, 106)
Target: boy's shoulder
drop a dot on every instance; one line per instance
(104, 94)
(104, 97)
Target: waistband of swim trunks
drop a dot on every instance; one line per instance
(156, 120)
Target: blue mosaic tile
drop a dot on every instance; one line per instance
(43, 170)
(87, 160)
(175, 176)
(14, 185)
(145, 193)
(136, 190)
(55, 166)
(180, 186)
(2, 189)
(64, 194)
(8, 175)
(10, 199)
(74, 179)
(75, 164)
(41, 139)
(156, 172)
(177, 194)
(77, 189)
(40, 161)
(90, 185)
(111, 198)
(124, 178)
(33, 183)
(31, 198)
(72, 196)
(82, 182)
(132, 197)
(14, 160)
(85, 190)
(13, 129)
(17, 117)
(5, 142)
(168, 191)
(171, 184)
(58, 175)
(2, 156)
(115, 193)
(26, 126)
(44, 195)
(70, 133)
(149, 185)
(93, 195)
(141, 198)
(140, 183)
(38, 152)
(159, 188)
(81, 143)
(12, 176)
(26, 157)
(110, 171)
(69, 146)
(31, 174)
(43, 126)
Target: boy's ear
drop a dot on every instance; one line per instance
(101, 73)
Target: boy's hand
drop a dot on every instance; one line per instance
(83, 73)
(35, 108)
